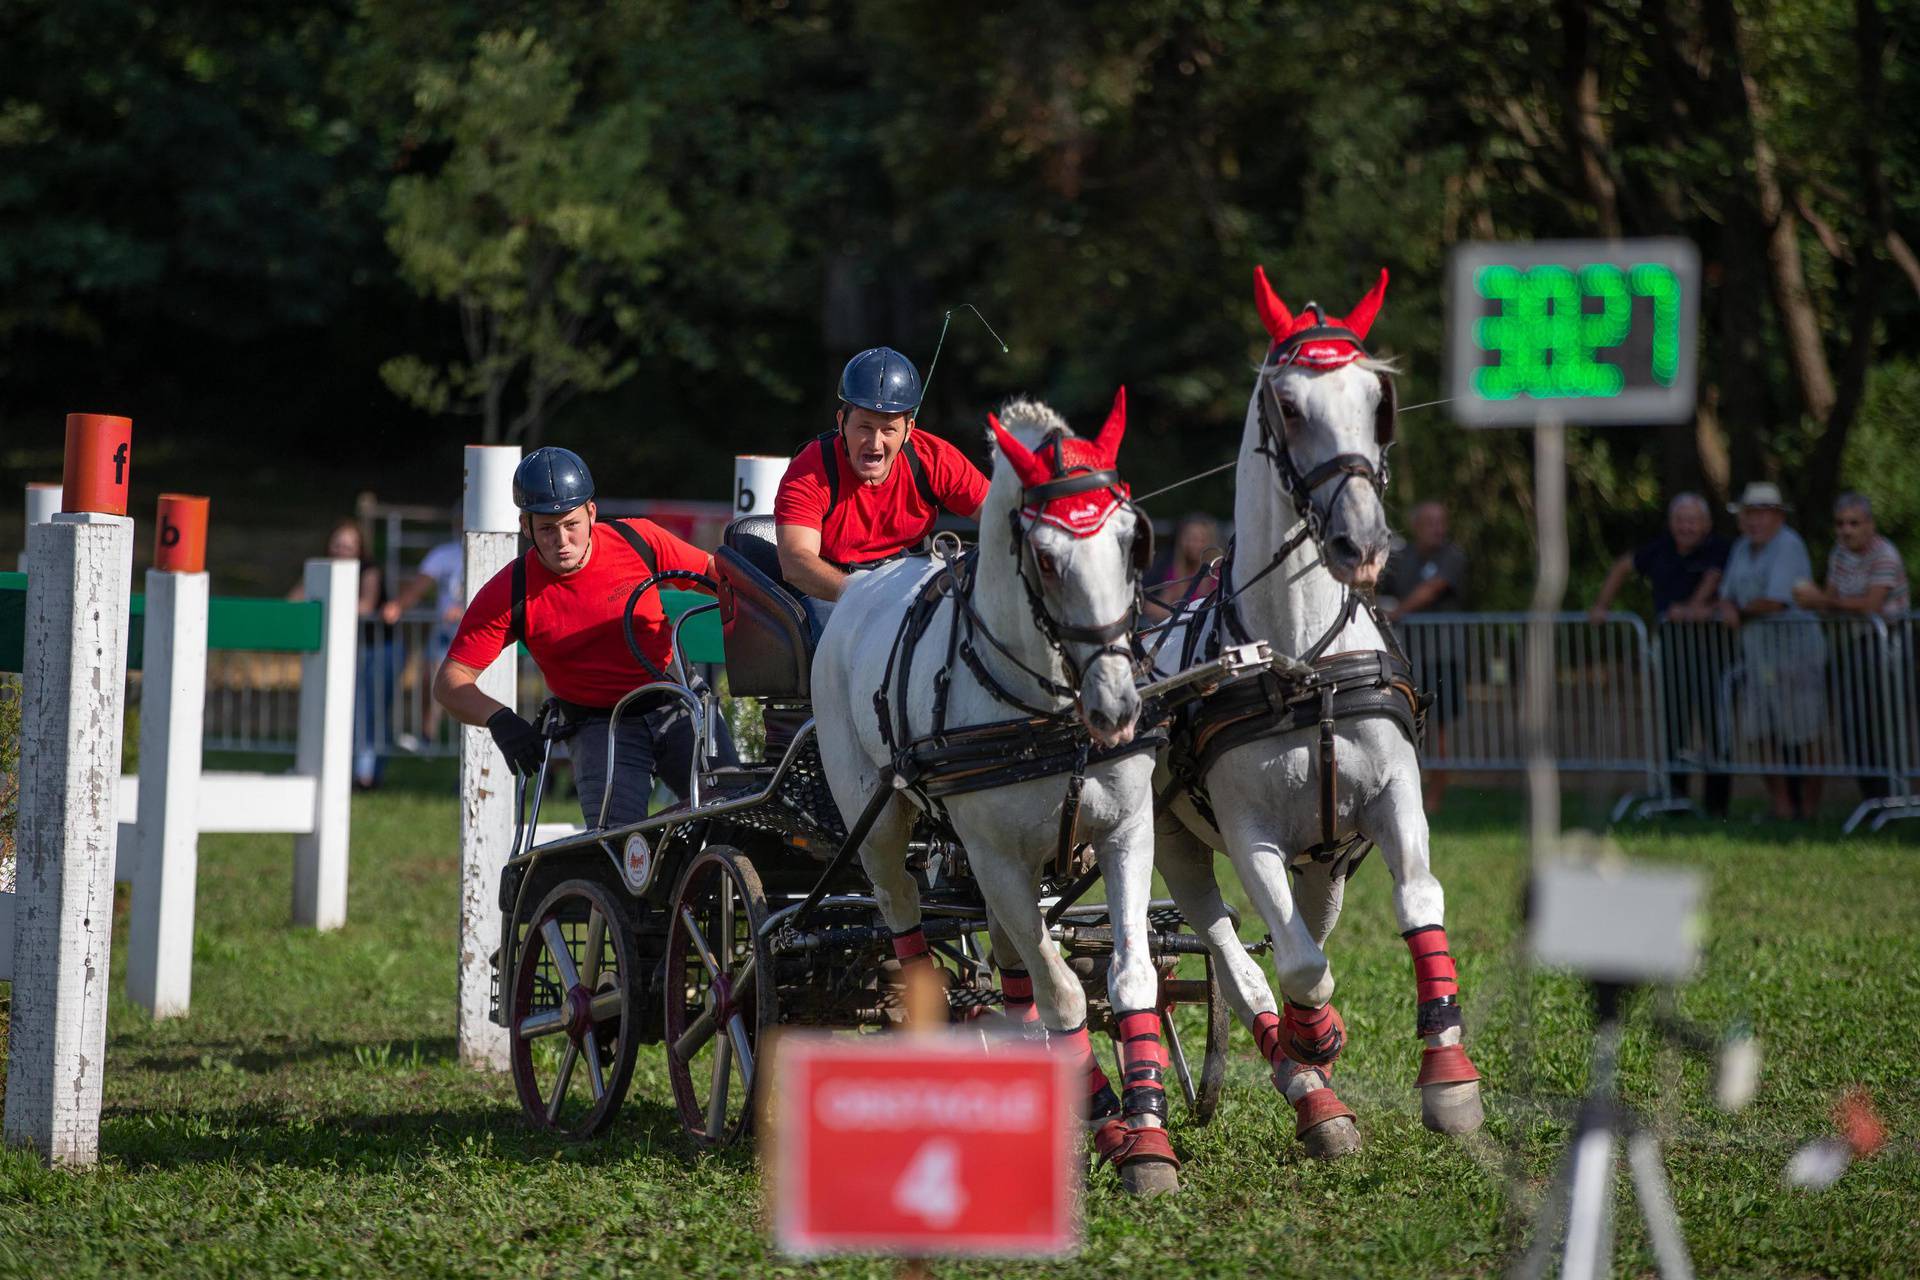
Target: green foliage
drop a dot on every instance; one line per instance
(1883, 454)
(542, 226)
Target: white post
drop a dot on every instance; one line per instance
(756, 479)
(173, 691)
(42, 501)
(74, 694)
(486, 784)
(325, 748)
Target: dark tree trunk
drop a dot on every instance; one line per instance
(1869, 282)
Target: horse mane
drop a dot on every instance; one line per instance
(1030, 420)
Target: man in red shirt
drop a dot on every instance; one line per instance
(860, 495)
(565, 600)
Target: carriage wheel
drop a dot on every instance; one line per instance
(572, 1013)
(720, 994)
(1202, 1092)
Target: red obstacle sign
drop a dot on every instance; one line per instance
(922, 1147)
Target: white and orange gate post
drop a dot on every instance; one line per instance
(491, 540)
(73, 697)
(173, 695)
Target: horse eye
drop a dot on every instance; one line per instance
(1291, 412)
(1049, 568)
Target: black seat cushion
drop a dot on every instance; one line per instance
(766, 630)
(754, 538)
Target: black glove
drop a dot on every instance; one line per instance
(518, 741)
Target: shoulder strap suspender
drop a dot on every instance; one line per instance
(920, 479)
(832, 464)
(641, 547)
(517, 622)
(922, 482)
(517, 619)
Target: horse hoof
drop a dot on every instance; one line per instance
(1331, 1139)
(1149, 1178)
(1143, 1156)
(1325, 1125)
(1452, 1108)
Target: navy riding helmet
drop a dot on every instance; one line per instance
(881, 379)
(550, 481)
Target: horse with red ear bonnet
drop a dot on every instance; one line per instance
(1041, 619)
(1299, 775)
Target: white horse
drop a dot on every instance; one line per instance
(1309, 531)
(1047, 611)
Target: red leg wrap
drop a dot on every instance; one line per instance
(1267, 1036)
(1119, 1143)
(1143, 1061)
(1433, 972)
(1448, 1064)
(1016, 994)
(1314, 1036)
(1315, 1108)
(910, 947)
(1077, 1045)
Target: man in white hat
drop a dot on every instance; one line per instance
(1784, 698)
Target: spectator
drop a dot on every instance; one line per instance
(1864, 576)
(1429, 574)
(378, 658)
(1864, 573)
(1682, 567)
(441, 576)
(1187, 571)
(1784, 656)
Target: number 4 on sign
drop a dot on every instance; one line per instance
(929, 1187)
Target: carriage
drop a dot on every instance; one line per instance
(740, 910)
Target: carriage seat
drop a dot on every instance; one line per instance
(768, 628)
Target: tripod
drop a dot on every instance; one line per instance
(1581, 1197)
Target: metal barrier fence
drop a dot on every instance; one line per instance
(1799, 697)
(1796, 697)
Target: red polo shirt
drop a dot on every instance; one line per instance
(573, 621)
(871, 522)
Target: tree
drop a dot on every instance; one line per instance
(540, 224)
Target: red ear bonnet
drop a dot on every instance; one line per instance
(1318, 353)
(1084, 513)
(1107, 443)
(1031, 470)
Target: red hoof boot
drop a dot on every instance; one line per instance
(1445, 1064)
(1325, 1125)
(1144, 1157)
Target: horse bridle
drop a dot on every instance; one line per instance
(1113, 638)
(1348, 467)
(1298, 487)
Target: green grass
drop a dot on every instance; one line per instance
(309, 1118)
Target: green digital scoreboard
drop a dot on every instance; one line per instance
(1587, 332)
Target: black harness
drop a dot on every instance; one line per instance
(922, 484)
(1044, 741)
(1317, 689)
(517, 619)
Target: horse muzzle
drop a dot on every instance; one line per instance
(1109, 703)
